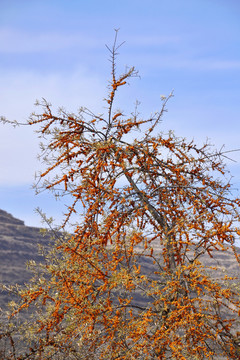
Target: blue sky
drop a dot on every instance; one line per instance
(56, 49)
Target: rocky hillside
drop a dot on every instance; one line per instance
(19, 243)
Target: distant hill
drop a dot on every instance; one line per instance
(19, 243)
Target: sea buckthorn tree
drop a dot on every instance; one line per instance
(128, 283)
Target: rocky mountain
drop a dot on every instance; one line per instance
(19, 244)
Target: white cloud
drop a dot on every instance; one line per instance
(18, 92)
(19, 41)
(209, 64)
(180, 61)
(153, 40)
